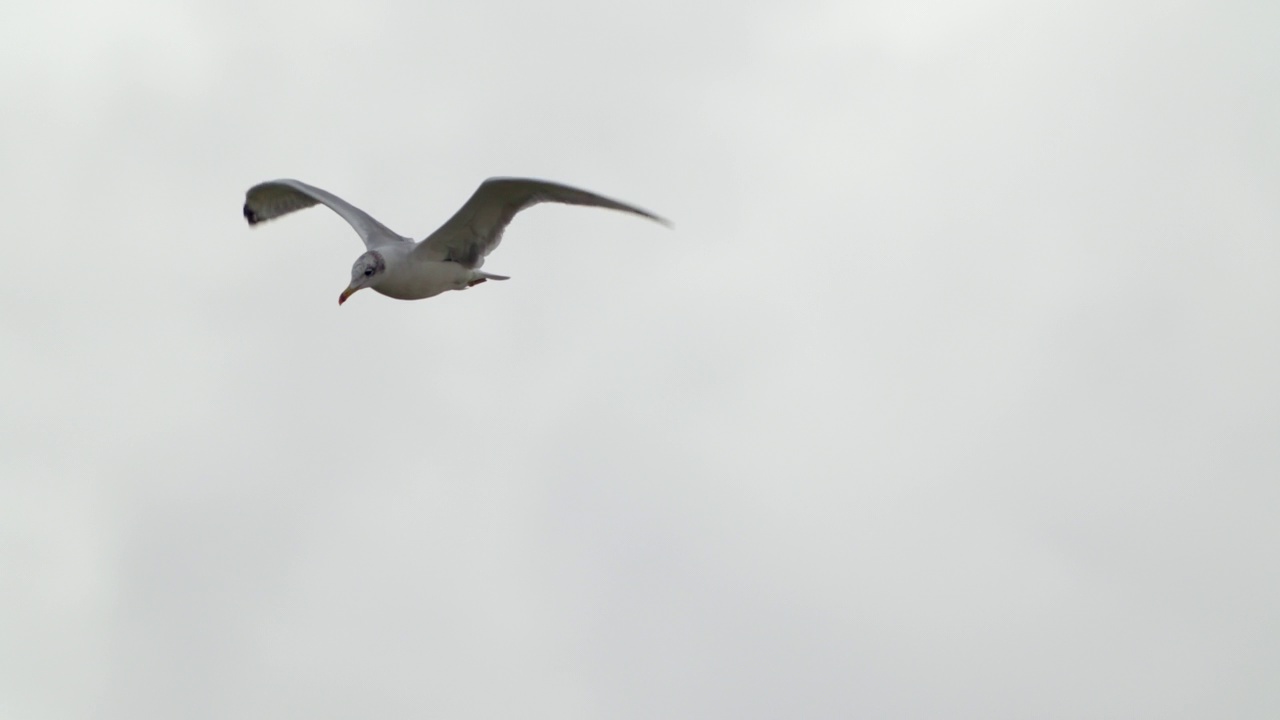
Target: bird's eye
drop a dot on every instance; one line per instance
(368, 271)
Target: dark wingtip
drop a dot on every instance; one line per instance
(656, 218)
(250, 215)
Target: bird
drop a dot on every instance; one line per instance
(449, 258)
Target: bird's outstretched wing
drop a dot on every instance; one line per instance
(270, 200)
(476, 229)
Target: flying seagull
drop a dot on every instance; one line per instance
(449, 258)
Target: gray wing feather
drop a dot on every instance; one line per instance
(476, 229)
(270, 200)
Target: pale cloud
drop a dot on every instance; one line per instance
(951, 394)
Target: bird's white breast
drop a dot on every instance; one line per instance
(408, 278)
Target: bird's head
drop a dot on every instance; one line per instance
(367, 270)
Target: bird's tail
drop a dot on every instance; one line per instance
(478, 277)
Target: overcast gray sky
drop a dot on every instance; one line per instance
(953, 393)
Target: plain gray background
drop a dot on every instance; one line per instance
(953, 393)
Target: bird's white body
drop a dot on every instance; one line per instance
(449, 258)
